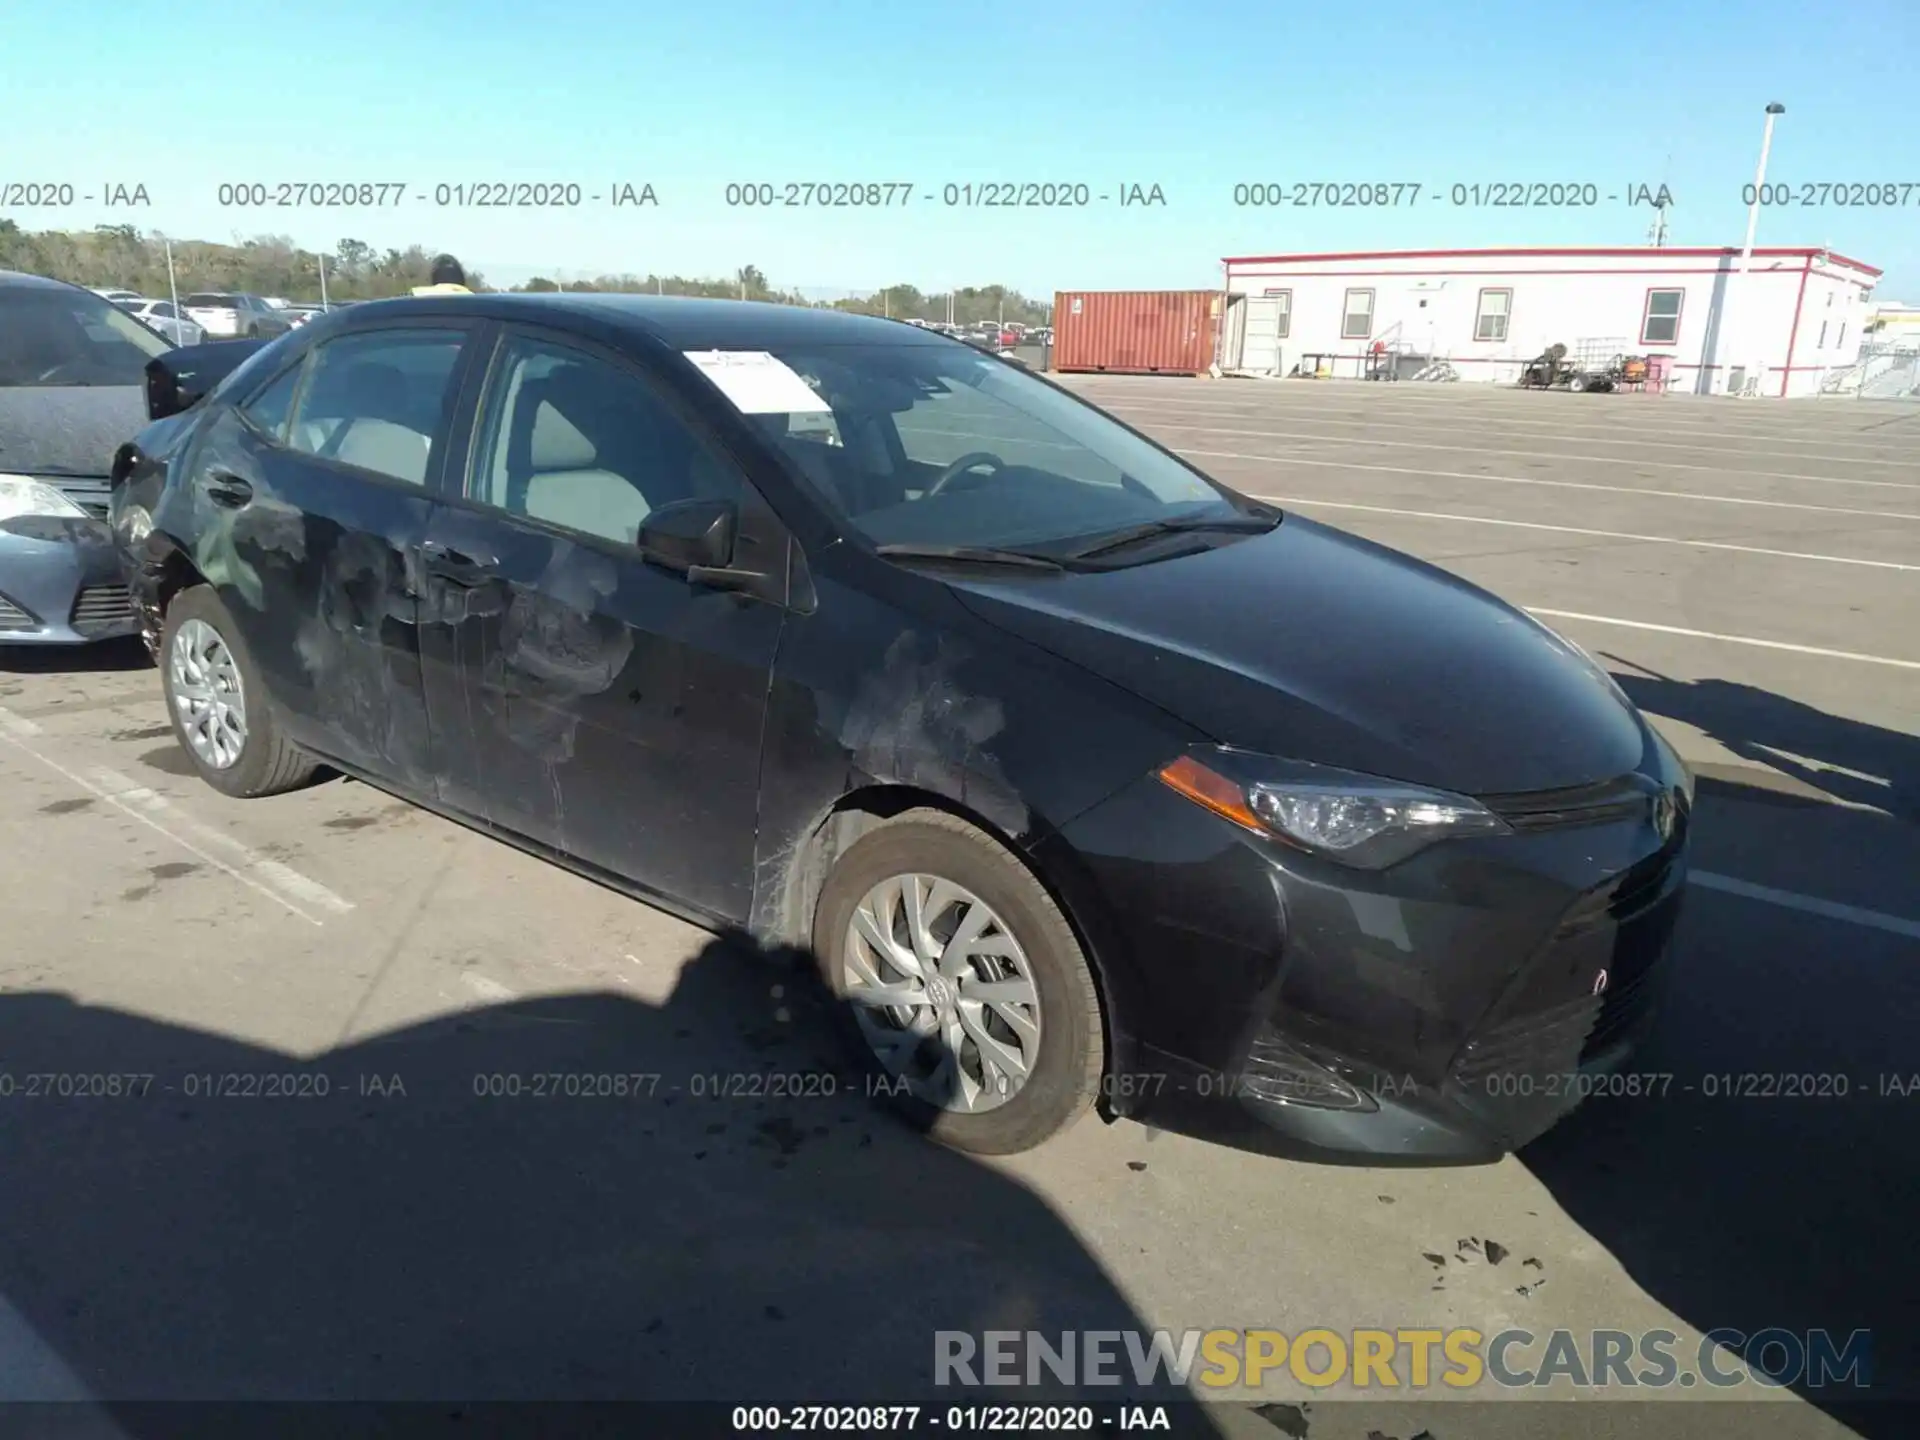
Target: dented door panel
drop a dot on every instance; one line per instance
(313, 567)
(595, 704)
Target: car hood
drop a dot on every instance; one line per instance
(1314, 644)
(67, 429)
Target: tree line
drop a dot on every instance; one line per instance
(121, 256)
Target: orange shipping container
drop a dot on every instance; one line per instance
(1138, 332)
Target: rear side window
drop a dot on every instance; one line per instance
(272, 408)
(376, 401)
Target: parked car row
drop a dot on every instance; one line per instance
(1025, 741)
(214, 315)
(990, 334)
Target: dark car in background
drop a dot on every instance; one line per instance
(1084, 778)
(72, 368)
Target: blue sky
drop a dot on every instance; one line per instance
(1194, 97)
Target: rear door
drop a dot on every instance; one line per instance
(585, 698)
(314, 493)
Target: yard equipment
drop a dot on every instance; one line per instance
(1592, 365)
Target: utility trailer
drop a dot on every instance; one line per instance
(1591, 365)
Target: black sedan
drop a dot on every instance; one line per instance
(1085, 778)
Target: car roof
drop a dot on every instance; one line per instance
(682, 322)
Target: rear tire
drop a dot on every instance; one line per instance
(1026, 948)
(202, 656)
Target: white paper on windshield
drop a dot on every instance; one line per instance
(758, 383)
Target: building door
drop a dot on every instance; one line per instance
(1265, 328)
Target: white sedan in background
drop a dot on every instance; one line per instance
(161, 315)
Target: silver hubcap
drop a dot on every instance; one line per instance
(943, 993)
(207, 695)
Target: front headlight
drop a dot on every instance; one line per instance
(1358, 820)
(136, 523)
(23, 495)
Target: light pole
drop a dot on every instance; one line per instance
(1774, 111)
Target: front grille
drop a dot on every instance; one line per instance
(98, 606)
(1636, 891)
(16, 617)
(1626, 798)
(1622, 1007)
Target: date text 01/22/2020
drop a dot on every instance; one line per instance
(444, 195)
(1479, 194)
(953, 195)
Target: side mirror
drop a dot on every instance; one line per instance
(691, 535)
(178, 379)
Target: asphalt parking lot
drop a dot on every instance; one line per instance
(1749, 571)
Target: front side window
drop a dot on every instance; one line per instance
(937, 444)
(270, 411)
(376, 400)
(1356, 315)
(1661, 323)
(57, 337)
(1490, 322)
(573, 440)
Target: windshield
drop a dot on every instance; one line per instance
(921, 444)
(212, 302)
(71, 337)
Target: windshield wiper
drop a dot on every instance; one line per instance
(972, 555)
(1240, 522)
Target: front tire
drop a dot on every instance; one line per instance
(219, 705)
(964, 990)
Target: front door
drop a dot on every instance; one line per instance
(319, 486)
(584, 698)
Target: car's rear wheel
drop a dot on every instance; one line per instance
(218, 703)
(966, 994)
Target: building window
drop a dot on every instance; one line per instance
(1660, 324)
(1490, 318)
(1356, 316)
(1821, 343)
(1841, 343)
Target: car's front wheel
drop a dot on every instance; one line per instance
(966, 993)
(218, 703)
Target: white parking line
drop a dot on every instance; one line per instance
(1598, 534)
(487, 989)
(1316, 415)
(1809, 904)
(1550, 484)
(1721, 469)
(280, 883)
(1725, 639)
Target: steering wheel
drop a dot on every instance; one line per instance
(969, 461)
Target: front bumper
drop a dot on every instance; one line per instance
(1447, 1010)
(61, 583)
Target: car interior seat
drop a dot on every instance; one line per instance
(571, 451)
(382, 429)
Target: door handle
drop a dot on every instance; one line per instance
(457, 566)
(226, 488)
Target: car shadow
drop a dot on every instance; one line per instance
(580, 1198)
(1850, 760)
(1762, 1179)
(125, 653)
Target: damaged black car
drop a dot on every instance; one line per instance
(1089, 782)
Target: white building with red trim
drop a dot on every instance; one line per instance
(1796, 315)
